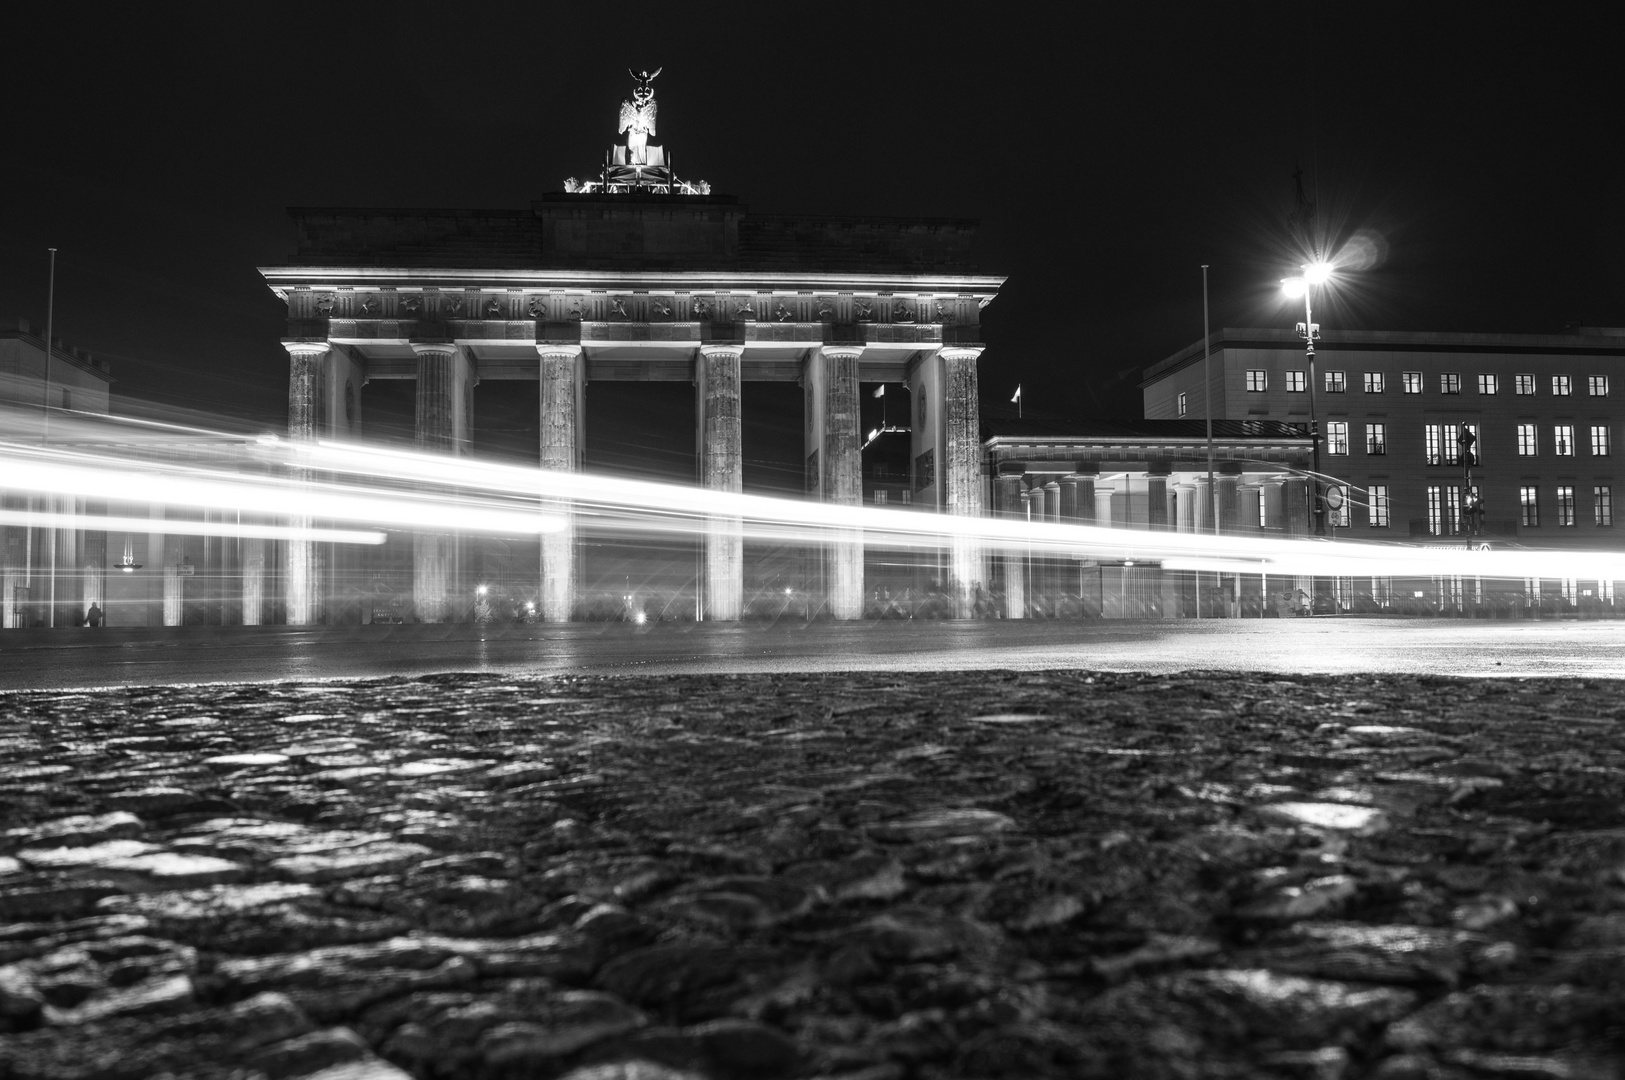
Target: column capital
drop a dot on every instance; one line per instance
(960, 352)
(721, 350)
(853, 352)
(306, 348)
(433, 348)
(549, 349)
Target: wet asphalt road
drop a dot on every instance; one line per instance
(76, 658)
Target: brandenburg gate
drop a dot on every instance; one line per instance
(635, 274)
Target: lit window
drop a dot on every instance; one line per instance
(1523, 384)
(1373, 382)
(1430, 440)
(1561, 386)
(1435, 510)
(1257, 381)
(1602, 500)
(1449, 382)
(1337, 436)
(1565, 504)
(1379, 506)
(1296, 383)
(1563, 440)
(1376, 438)
(1413, 381)
(1528, 441)
(1599, 440)
(1489, 384)
(1182, 403)
(1334, 382)
(1597, 385)
(1529, 505)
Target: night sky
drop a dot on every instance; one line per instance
(1471, 152)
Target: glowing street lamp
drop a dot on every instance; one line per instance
(1314, 273)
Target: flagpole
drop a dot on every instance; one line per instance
(1207, 400)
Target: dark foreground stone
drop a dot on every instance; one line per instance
(872, 877)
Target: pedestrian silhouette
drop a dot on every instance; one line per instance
(93, 617)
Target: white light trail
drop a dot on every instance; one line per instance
(179, 527)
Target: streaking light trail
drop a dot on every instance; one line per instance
(345, 492)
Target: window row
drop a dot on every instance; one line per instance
(1602, 505)
(1336, 382)
(1442, 444)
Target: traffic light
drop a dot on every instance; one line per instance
(1467, 440)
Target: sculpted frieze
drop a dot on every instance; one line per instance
(493, 308)
(826, 309)
(863, 310)
(782, 311)
(902, 311)
(538, 307)
(325, 305)
(701, 307)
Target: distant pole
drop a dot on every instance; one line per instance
(1207, 400)
(45, 412)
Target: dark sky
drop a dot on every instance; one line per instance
(1108, 149)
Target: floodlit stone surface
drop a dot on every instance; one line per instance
(871, 877)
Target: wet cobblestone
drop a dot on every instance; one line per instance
(875, 877)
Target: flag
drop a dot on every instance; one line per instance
(1017, 399)
(880, 391)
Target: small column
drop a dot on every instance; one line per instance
(1229, 497)
(94, 565)
(174, 584)
(1069, 499)
(1087, 473)
(842, 468)
(1295, 513)
(1156, 496)
(562, 399)
(1203, 510)
(1185, 507)
(305, 363)
(1251, 495)
(251, 550)
(1274, 507)
(434, 555)
(722, 463)
(1103, 505)
(962, 462)
(1008, 504)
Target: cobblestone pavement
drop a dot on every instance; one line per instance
(864, 876)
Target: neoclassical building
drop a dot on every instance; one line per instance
(637, 275)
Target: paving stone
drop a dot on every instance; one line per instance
(861, 876)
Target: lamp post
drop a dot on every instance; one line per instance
(1314, 273)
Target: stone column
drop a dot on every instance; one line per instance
(1008, 504)
(962, 465)
(305, 362)
(94, 564)
(562, 398)
(251, 551)
(174, 584)
(1185, 507)
(434, 555)
(1103, 506)
(717, 387)
(1087, 473)
(1274, 507)
(1156, 496)
(1251, 495)
(842, 466)
(1295, 514)
(1229, 479)
(1202, 512)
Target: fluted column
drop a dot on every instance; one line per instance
(843, 476)
(174, 583)
(305, 361)
(1230, 502)
(251, 555)
(1185, 507)
(1008, 504)
(93, 565)
(1295, 513)
(1087, 473)
(434, 554)
(560, 452)
(962, 462)
(722, 463)
(1251, 495)
(1203, 510)
(1103, 506)
(1156, 485)
(1274, 506)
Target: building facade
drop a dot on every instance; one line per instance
(1543, 412)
